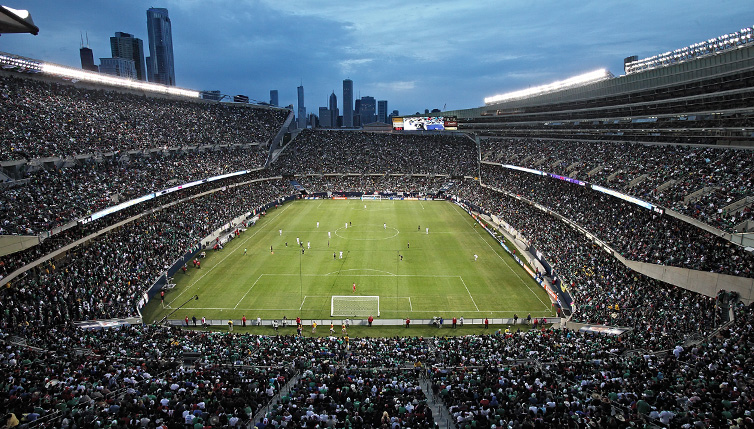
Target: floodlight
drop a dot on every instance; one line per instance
(16, 21)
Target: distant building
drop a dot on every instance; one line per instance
(274, 97)
(160, 64)
(301, 108)
(118, 67)
(124, 45)
(212, 95)
(368, 110)
(325, 118)
(87, 59)
(348, 103)
(382, 111)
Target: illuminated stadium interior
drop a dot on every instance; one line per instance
(627, 199)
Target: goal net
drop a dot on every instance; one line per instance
(354, 305)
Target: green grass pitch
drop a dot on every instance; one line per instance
(437, 276)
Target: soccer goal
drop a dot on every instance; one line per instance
(354, 305)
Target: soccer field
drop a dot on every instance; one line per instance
(417, 256)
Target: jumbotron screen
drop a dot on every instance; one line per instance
(425, 123)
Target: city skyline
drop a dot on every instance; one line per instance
(479, 49)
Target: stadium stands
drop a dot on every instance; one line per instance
(663, 174)
(334, 152)
(51, 119)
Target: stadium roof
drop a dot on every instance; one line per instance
(16, 21)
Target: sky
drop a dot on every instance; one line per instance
(415, 54)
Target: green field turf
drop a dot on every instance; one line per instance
(438, 275)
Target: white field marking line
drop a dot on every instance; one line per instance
(410, 306)
(467, 291)
(421, 204)
(359, 269)
(226, 256)
(320, 203)
(247, 292)
(508, 265)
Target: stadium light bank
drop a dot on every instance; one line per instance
(14, 62)
(582, 79)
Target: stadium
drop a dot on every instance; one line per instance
(577, 255)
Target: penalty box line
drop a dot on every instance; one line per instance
(471, 297)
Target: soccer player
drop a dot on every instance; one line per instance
(308, 244)
(271, 250)
(354, 287)
(476, 256)
(333, 256)
(427, 230)
(332, 329)
(341, 254)
(328, 234)
(244, 250)
(298, 241)
(280, 231)
(384, 226)
(317, 224)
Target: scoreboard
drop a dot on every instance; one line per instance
(425, 123)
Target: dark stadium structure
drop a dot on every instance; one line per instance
(631, 195)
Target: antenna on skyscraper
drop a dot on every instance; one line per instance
(82, 39)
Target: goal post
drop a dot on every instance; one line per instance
(344, 305)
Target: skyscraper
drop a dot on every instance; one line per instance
(274, 97)
(125, 45)
(368, 110)
(160, 66)
(87, 56)
(87, 59)
(301, 108)
(348, 103)
(333, 108)
(382, 111)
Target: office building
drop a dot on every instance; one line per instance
(118, 67)
(368, 110)
(348, 103)
(274, 97)
(301, 108)
(87, 59)
(382, 111)
(124, 45)
(160, 65)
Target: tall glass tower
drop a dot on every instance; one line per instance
(348, 103)
(160, 66)
(301, 108)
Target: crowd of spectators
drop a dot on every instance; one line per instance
(132, 377)
(46, 118)
(604, 290)
(327, 152)
(14, 261)
(635, 232)
(49, 198)
(383, 184)
(104, 278)
(662, 174)
(335, 396)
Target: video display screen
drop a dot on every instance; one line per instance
(425, 123)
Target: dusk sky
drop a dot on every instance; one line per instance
(415, 54)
